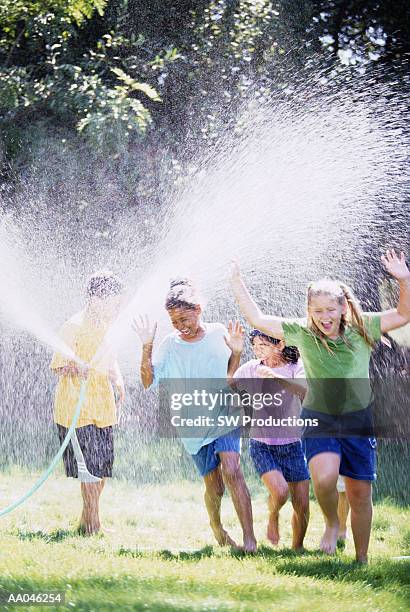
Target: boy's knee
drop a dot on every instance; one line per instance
(282, 498)
(280, 495)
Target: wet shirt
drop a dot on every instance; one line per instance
(251, 381)
(205, 359)
(99, 406)
(338, 379)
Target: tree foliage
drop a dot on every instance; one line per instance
(358, 32)
(110, 69)
(49, 70)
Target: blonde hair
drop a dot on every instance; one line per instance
(342, 293)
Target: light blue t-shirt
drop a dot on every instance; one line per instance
(205, 359)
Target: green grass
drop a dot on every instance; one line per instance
(161, 555)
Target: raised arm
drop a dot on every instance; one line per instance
(399, 316)
(146, 332)
(267, 324)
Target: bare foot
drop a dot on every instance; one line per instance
(249, 544)
(223, 538)
(329, 539)
(88, 529)
(297, 548)
(93, 530)
(273, 528)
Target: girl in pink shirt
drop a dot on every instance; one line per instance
(279, 461)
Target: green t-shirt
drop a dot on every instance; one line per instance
(346, 387)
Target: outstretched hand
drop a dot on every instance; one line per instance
(75, 369)
(235, 338)
(395, 265)
(144, 329)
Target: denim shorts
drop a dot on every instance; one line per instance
(358, 423)
(357, 455)
(287, 458)
(207, 458)
(349, 436)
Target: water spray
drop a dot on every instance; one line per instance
(56, 458)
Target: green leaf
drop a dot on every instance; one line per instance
(134, 85)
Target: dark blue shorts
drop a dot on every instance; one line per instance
(357, 455)
(207, 458)
(348, 435)
(97, 446)
(287, 458)
(358, 423)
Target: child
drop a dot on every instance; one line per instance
(199, 350)
(280, 462)
(84, 333)
(336, 343)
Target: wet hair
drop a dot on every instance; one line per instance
(104, 284)
(341, 293)
(182, 294)
(289, 353)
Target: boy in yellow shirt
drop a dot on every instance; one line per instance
(84, 333)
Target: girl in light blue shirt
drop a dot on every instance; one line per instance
(199, 350)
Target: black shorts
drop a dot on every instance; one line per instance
(97, 446)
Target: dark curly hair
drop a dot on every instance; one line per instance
(289, 353)
(182, 294)
(104, 284)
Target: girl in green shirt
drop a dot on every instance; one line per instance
(335, 342)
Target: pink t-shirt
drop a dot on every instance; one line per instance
(252, 383)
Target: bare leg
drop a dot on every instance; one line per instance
(90, 519)
(278, 494)
(299, 494)
(234, 480)
(214, 490)
(343, 508)
(324, 469)
(359, 494)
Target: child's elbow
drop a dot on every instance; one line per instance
(147, 382)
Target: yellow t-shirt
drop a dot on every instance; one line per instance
(99, 406)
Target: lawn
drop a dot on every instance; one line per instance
(161, 556)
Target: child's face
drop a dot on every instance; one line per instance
(263, 349)
(185, 320)
(326, 313)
